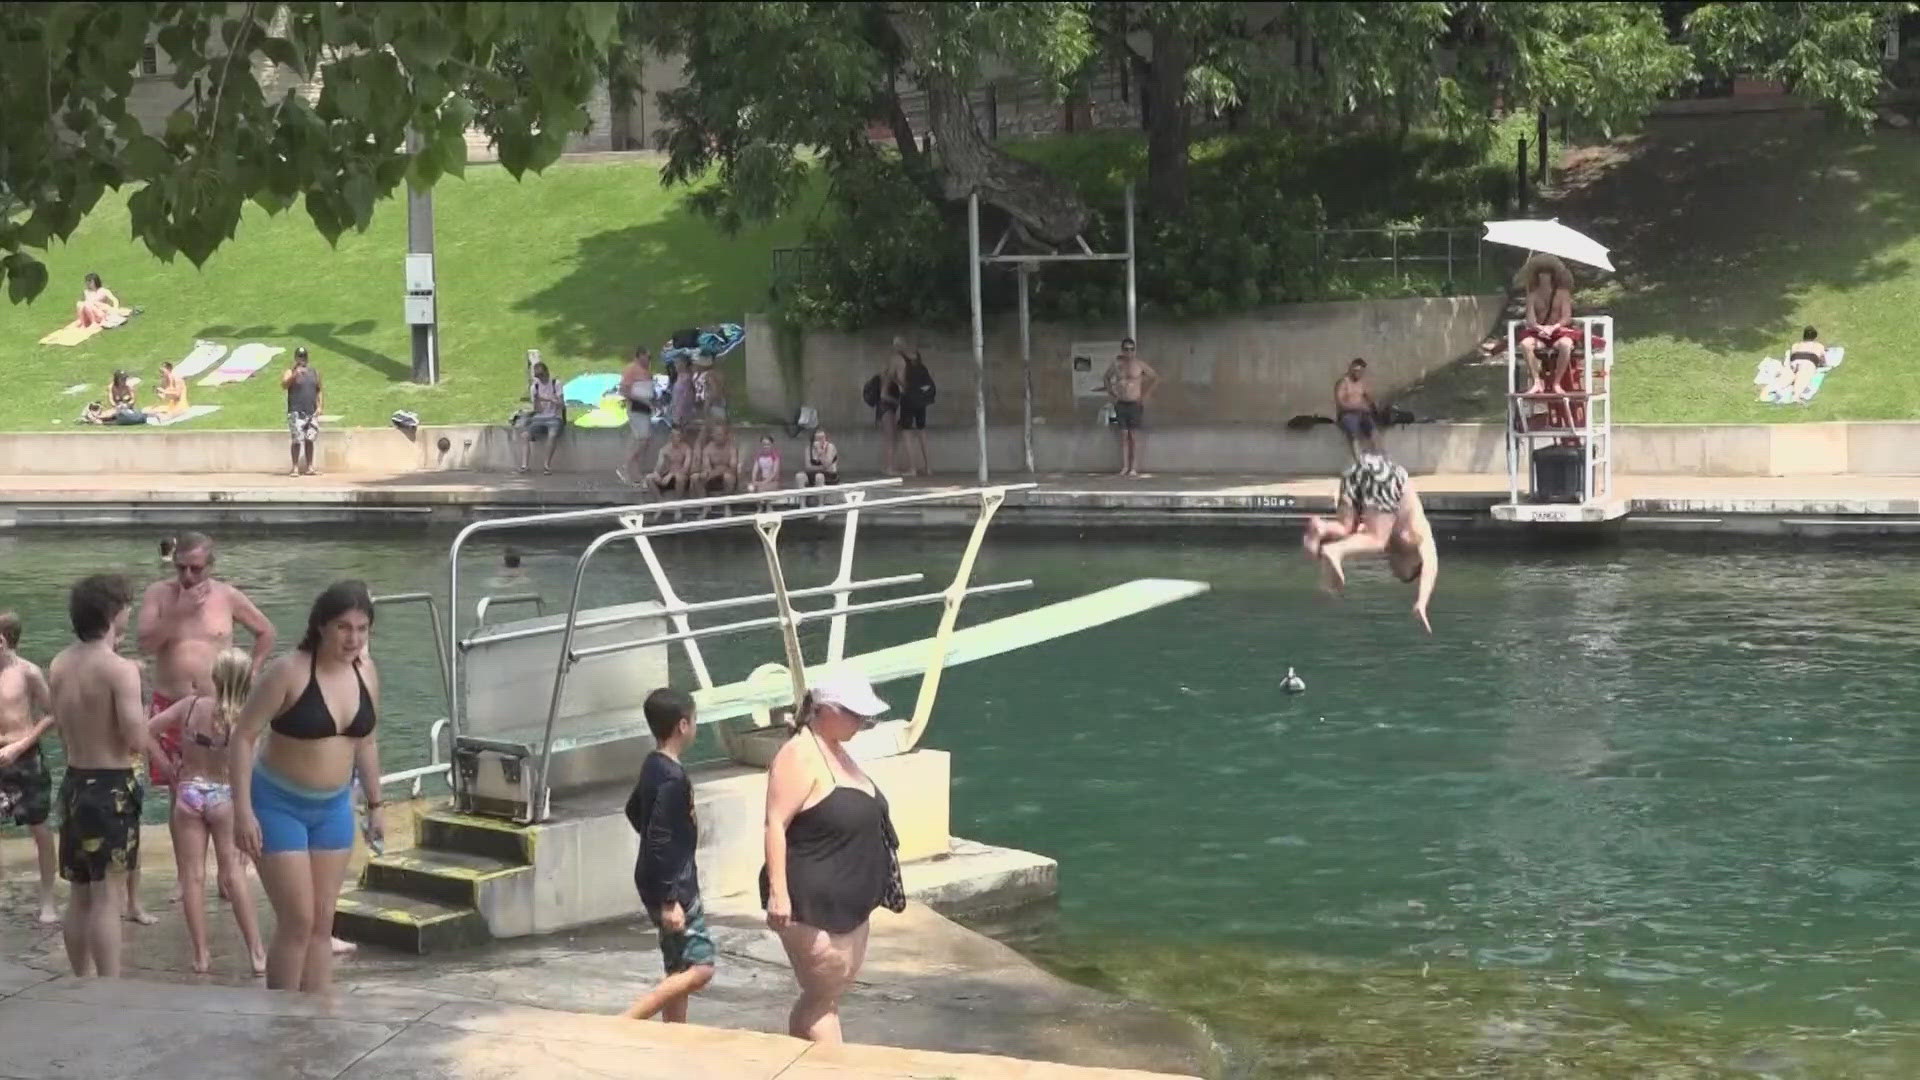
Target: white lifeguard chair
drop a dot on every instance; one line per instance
(1573, 422)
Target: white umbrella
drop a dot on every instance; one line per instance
(1552, 238)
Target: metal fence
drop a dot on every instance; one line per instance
(793, 266)
(1457, 253)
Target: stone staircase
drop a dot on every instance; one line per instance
(430, 898)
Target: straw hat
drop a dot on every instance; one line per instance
(1562, 277)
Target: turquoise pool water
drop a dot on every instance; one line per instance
(1635, 811)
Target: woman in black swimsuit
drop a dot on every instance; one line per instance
(293, 805)
(830, 851)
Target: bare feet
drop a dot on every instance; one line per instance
(340, 948)
(202, 963)
(48, 913)
(142, 916)
(260, 962)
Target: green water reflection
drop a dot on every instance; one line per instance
(1629, 812)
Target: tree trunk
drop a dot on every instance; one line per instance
(1169, 128)
(1047, 206)
(912, 157)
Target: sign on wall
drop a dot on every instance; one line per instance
(1087, 363)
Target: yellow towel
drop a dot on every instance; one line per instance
(71, 334)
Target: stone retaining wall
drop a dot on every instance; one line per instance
(1832, 449)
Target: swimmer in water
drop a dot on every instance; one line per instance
(1379, 513)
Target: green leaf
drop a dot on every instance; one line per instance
(26, 277)
(146, 157)
(284, 53)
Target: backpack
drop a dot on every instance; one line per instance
(870, 393)
(919, 391)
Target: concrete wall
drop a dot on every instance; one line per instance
(1871, 449)
(1259, 368)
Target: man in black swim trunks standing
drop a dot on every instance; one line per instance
(1130, 382)
(1354, 408)
(26, 786)
(96, 697)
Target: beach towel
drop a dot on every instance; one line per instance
(718, 340)
(245, 360)
(188, 413)
(589, 389)
(76, 388)
(204, 355)
(1775, 378)
(71, 334)
(610, 412)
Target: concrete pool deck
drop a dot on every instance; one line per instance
(935, 1000)
(1820, 505)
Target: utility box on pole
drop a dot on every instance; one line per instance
(419, 301)
(419, 305)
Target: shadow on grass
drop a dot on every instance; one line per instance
(637, 284)
(324, 339)
(1722, 226)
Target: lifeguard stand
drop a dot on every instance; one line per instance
(1575, 417)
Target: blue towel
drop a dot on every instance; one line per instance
(589, 389)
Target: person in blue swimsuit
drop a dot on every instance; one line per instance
(293, 800)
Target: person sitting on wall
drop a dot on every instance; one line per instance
(1549, 320)
(1354, 408)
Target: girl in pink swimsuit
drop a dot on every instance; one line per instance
(202, 726)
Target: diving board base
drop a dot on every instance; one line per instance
(1587, 513)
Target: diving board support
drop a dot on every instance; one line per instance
(767, 527)
(669, 598)
(837, 630)
(990, 502)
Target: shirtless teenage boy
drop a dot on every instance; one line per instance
(1379, 513)
(1130, 382)
(671, 468)
(26, 786)
(717, 472)
(185, 621)
(1354, 408)
(96, 696)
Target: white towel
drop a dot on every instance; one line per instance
(163, 420)
(245, 360)
(204, 355)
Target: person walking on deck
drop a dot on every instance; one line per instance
(26, 784)
(661, 811)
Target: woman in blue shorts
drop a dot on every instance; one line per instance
(293, 801)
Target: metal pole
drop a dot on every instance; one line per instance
(1133, 331)
(979, 332)
(426, 337)
(1026, 372)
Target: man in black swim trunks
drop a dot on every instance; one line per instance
(26, 786)
(1354, 408)
(96, 696)
(1130, 381)
(1379, 512)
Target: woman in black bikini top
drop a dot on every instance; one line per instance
(293, 804)
(830, 852)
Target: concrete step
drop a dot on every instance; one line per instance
(447, 877)
(470, 834)
(406, 923)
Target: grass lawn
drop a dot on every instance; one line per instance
(1732, 233)
(582, 263)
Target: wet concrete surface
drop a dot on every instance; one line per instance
(929, 985)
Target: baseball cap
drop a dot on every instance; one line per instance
(848, 690)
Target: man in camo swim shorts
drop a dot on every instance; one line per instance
(1378, 512)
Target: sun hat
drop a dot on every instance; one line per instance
(849, 690)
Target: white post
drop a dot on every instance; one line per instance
(837, 628)
(979, 332)
(1133, 331)
(1026, 373)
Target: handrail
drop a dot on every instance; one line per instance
(439, 641)
(689, 609)
(761, 522)
(486, 602)
(797, 617)
(560, 517)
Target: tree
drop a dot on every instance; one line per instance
(68, 69)
(771, 84)
(1825, 52)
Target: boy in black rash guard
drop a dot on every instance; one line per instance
(661, 811)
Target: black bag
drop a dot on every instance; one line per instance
(893, 896)
(870, 393)
(919, 391)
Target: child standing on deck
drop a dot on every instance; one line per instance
(661, 811)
